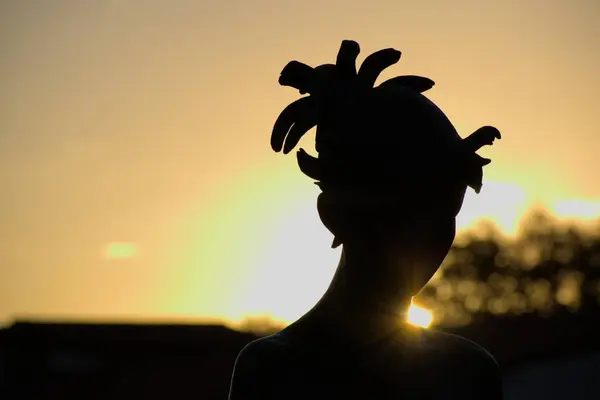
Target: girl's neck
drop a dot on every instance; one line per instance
(365, 300)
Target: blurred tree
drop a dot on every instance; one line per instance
(551, 266)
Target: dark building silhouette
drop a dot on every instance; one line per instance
(79, 361)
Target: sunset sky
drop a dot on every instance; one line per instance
(138, 180)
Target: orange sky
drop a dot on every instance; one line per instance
(147, 122)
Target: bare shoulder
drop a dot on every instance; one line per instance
(466, 363)
(466, 349)
(256, 367)
(260, 351)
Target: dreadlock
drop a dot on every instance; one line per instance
(374, 136)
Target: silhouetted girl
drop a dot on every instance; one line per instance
(393, 173)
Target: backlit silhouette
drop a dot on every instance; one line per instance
(393, 173)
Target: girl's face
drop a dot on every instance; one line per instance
(414, 240)
(421, 241)
(425, 249)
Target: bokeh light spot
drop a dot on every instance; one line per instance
(119, 250)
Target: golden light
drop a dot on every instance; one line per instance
(577, 209)
(282, 263)
(257, 251)
(419, 316)
(295, 263)
(500, 202)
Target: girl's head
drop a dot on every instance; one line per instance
(392, 168)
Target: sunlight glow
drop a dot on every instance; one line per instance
(419, 316)
(500, 202)
(258, 250)
(288, 264)
(283, 263)
(577, 209)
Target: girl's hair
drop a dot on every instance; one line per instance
(389, 136)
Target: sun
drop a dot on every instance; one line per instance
(419, 316)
